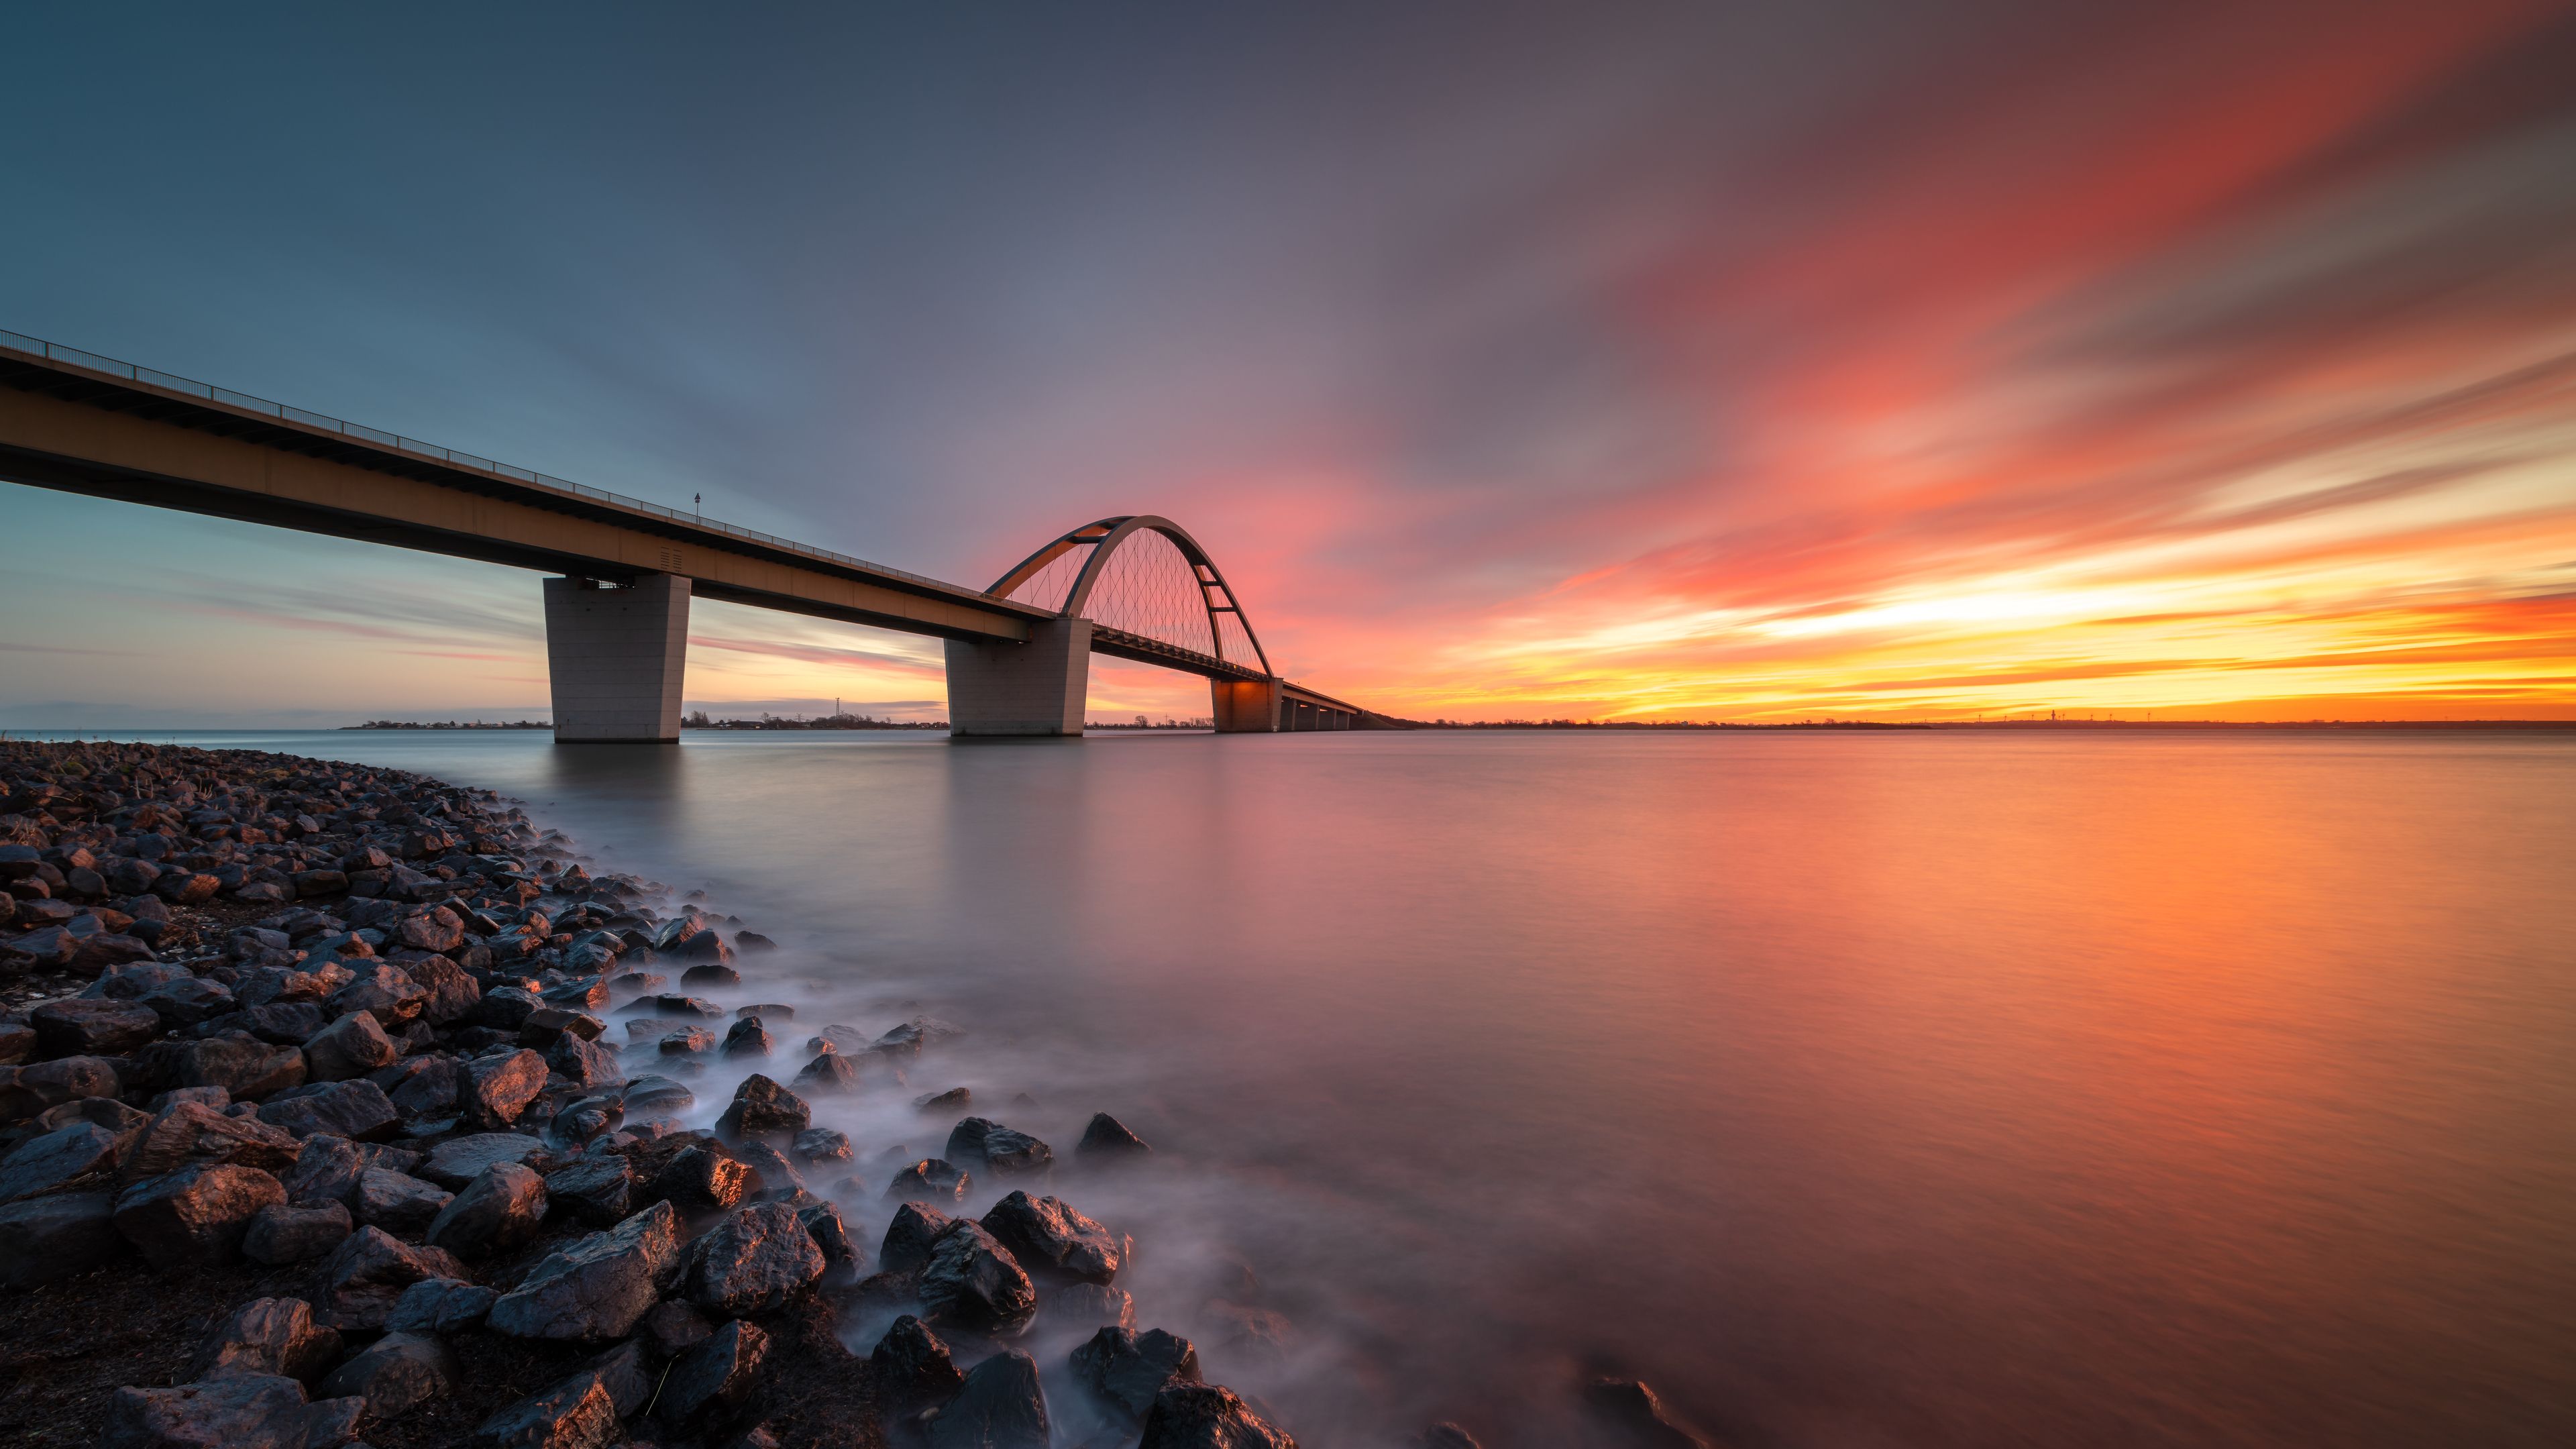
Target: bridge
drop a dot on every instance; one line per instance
(622, 571)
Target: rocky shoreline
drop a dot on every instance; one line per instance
(343, 1106)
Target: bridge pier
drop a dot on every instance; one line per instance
(614, 653)
(1037, 688)
(1244, 706)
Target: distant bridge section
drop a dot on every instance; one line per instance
(617, 614)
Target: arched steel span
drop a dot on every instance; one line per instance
(1216, 596)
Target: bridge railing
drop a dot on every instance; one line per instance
(54, 351)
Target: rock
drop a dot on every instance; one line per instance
(940, 1104)
(1128, 1371)
(499, 1087)
(26, 1091)
(584, 1063)
(48, 1238)
(284, 1023)
(1251, 1333)
(185, 887)
(440, 1305)
(579, 1413)
(82, 1153)
(1107, 1137)
(597, 1287)
(761, 1108)
(437, 930)
(974, 1283)
(598, 1188)
(1050, 1238)
(831, 1072)
(913, 1369)
(677, 1006)
(326, 1171)
(624, 1371)
(284, 1233)
(1087, 1305)
(187, 1002)
(1633, 1411)
(547, 1023)
(929, 1180)
(268, 1336)
(652, 1097)
(92, 1028)
(1006, 1152)
(310, 884)
(820, 1144)
(333, 1423)
(186, 1133)
(748, 1038)
(195, 1215)
(1445, 1435)
(394, 1374)
(240, 1064)
(916, 1229)
(353, 1046)
(842, 1260)
(383, 991)
(429, 1087)
(718, 1372)
(752, 1262)
(710, 975)
(17, 1043)
(1000, 1406)
(357, 1110)
(249, 1411)
(500, 1209)
(507, 1007)
(753, 941)
(702, 1178)
(453, 994)
(365, 1275)
(459, 1160)
(674, 1328)
(397, 1202)
(1204, 1416)
(687, 1041)
(48, 949)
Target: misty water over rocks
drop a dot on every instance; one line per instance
(1939, 1090)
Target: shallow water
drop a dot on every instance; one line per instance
(1929, 1089)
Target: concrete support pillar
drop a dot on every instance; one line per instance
(1245, 707)
(1037, 688)
(614, 655)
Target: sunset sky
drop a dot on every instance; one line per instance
(1654, 361)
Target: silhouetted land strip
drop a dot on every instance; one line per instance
(449, 724)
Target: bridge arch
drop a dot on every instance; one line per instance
(1103, 537)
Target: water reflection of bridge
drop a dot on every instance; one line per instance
(617, 611)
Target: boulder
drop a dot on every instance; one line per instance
(1000, 1406)
(940, 1104)
(973, 1283)
(1204, 1416)
(437, 930)
(912, 1366)
(17, 1043)
(428, 1088)
(1108, 1138)
(1635, 1414)
(1127, 1371)
(396, 1201)
(598, 1287)
(977, 1140)
(584, 1063)
(507, 1007)
(50, 948)
(187, 1002)
(383, 991)
(26, 1091)
(459, 1160)
(929, 1180)
(500, 1209)
(394, 1374)
(248, 1411)
(674, 1328)
(687, 1041)
(916, 1229)
(752, 1262)
(651, 1097)
(820, 1144)
(186, 1133)
(440, 1305)
(268, 1336)
(453, 994)
(78, 1027)
(82, 1154)
(1053, 1240)
(718, 1373)
(326, 1171)
(762, 1108)
(579, 1413)
(353, 1046)
(240, 1063)
(48, 1238)
(702, 1178)
(830, 1073)
(842, 1260)
(499, 1087)
(748, 1038)
(364, 1277)
(357, 1110)
(284, 1233)
(195, 1215)
(284, 1023)
(598, 1188)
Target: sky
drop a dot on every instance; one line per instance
(1604, 361)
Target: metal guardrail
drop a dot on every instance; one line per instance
(36, 347)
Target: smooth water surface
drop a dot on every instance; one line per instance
(1922, 1089)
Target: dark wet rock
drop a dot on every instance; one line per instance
(978, 1141)
(548, 1023)
(499, 1087)
(1127, 1371)
(428, 1087)
(627, 1375)
(384, 991)
(598, 1287)
(597, 1188)
(673, 1327)
(913, 1367)
(584, 1063)
(438, 929)
(936, 1104)
(197, 1215)
(326, 1170)
(396, 1201)
(578, 996)
(1635, 1412)
(581, 1121)
(440, 1305)
(677, 1007)
(710, 975)
(80, 1154)
(914, 1035)
(1204, 1416)
(242, 1064)
(268, 1336)
(999, 1406)
(701, 1178)
(1053, 1240)
(579, 1413)
(843, 1260)
(57, 1236)
(500, 1209)
(181, 1004)
(26, 1091)
(284, 1023)
(829, 1073)
(687, 1041)
(1088, 1305)
(909, 1239)
(753, 941)
(929, 1180)
(357, 1110)
(652, 1097)
(283, 1233)
(719, 1372)
(1107, 1137)
(365, 1275)
(506, 1007)
(453, 994)
(248, 1411)
(394, 1374)
(748, 1038)
(752, 1262)
(459, 1160)
(353, 1046)
(92, 1028)
(974, 1283)
(17, 1043)
(845, 1040)
(820, 1144)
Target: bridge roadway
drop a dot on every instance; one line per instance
(617, 613)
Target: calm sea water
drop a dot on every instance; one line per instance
(1947, 1089)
